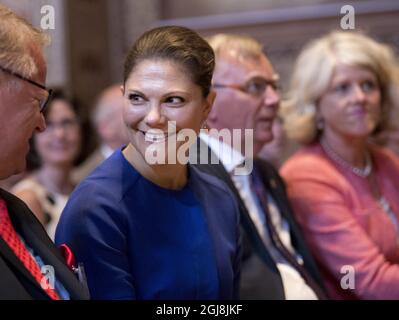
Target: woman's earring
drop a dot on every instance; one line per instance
(205, 127)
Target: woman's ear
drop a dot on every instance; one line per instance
(123, 90)
(209, 103)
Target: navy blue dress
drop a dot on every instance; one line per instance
(140, 241)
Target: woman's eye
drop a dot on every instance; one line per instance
(368, 86)
(174, 100)
(135, 98)
(342, 88)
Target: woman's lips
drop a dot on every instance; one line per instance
(154, 136)
(358, 111)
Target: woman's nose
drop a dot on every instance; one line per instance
(358, 94)
(154, 117)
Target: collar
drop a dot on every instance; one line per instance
(229, 156)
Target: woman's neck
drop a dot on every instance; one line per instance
(351, 149)
(55, 178)
(168, 176)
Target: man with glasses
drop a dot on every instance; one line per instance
(276, 262)
(31, 267)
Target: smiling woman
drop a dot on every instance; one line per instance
(160, 94)
(157, 231)
(343, 188)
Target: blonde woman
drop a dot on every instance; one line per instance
(344, 189)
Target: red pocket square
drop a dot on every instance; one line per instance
(68, 256)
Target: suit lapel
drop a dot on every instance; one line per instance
(251, 233)
(36, 237)
(249, 227)
(13, 260)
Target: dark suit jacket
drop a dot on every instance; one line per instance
(16, 283)
(260, 278)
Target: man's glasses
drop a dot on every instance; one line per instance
(255, 87)
(44, 102)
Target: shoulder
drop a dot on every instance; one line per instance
(28, 184)
(309, 162)
(20, 211)
(216, 189)
(12, 200)
(93, 213)
(211, 181)
(385, 158)
(30, 190)
(98, 197)
(111, 178)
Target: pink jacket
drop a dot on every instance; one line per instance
(343, 224)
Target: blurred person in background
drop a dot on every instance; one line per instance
(54, 152)
(108, 122)
(345, 189)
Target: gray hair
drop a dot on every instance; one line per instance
(16, 39)
(236, 45)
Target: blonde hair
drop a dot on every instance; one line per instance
(236, 45)
(16, 39)
(313, 71)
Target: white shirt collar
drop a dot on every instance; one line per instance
(229, 156)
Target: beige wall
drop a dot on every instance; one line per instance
(56, 53)
(284, 26)
(180, 9)
(92, 36)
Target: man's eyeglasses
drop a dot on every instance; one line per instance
(44, 102)
(255, 87)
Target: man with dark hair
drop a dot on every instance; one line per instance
(31, 267)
